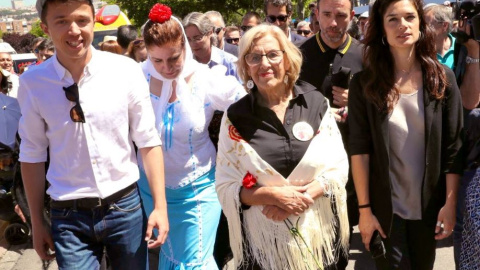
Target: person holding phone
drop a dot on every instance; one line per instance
(405, 123)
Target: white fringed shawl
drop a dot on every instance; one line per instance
(270, 242)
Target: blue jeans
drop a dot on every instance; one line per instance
(80, 236)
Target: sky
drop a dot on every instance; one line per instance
(8, 3)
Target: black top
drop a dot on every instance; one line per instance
(443, 141)
(317, 57)
(273, 141)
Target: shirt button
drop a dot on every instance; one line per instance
(289, 122)
(94, 162)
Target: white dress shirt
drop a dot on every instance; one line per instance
(95, 158)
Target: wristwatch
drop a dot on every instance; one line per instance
(470, 60)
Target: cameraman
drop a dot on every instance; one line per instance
(463, 58)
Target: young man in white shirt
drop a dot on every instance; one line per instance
(86, 107)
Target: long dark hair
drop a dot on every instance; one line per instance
(379, 79)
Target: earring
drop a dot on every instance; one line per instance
(383, 41)
(285, 79)
(250, 84)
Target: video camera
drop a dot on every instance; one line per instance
(469, 10)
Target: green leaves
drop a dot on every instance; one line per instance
(138, 10)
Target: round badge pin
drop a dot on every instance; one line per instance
(302, 131)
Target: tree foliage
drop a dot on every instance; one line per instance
(37, 30)
(21, 43)
(138, 10)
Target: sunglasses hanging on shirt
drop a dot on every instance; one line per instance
(76, 113)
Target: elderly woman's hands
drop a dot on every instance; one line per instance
(275, 213)
(291, 199)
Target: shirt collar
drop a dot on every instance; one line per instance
(90, 68)
(341, 49)
(215, 57)
(299, 90)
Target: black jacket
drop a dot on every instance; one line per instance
(443, 140)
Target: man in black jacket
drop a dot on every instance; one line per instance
(330, 59)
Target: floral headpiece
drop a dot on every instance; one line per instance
(160, 13)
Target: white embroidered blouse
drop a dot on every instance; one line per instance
(183, 125)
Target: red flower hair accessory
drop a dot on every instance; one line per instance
(249, 181)
(160, 13)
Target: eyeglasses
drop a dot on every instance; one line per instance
(76, 113)
(196, 38)
(217, 30)
(232, 40)
(280, 18)
(274, 57)
(304, 32)
(245, 28)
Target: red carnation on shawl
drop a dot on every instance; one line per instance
(160, 13)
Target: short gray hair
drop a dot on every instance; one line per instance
(278, 3)
(203, 24)
(302, 23)
(441, 14)
(214, 13)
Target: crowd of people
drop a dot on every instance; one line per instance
(188, 143)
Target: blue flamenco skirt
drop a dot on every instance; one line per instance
(193, 215)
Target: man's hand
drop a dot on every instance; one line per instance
(340, 96)
(42, 241)
(158, 219)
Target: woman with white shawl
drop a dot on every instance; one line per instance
(185, 95)
(281, 164)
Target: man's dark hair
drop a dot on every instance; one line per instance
(35, 42)
(46, 44)
(253, 14)
(126, 34)
(351, 5)
(278, 3)
(43, 16)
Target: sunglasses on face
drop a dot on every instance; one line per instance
(217, 30)
(232, 40)
(76, 113)
(245, 28)
(137, 42)
(280, 18)
(304, 32)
